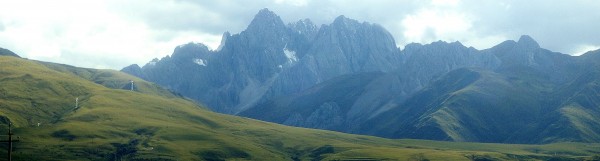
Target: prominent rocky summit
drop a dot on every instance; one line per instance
(271, 59)
(349, 76)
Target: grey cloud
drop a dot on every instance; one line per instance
(231, 15)
(170, 15)
(560, 25)
(214, 17)
(91, 60)
(556, 25)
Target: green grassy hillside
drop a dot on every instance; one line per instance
(151, 123)
(515, 105)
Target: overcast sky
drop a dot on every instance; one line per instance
(116, 33)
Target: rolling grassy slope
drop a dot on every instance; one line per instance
(511, 106)
(151, 123)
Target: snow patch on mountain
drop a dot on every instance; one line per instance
(290, 54)
(201, 62)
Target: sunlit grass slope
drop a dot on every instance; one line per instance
(150, 123)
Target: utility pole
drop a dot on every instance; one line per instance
(131, 81)
(76, 102)
(10, 141)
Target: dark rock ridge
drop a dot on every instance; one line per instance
(349, 76)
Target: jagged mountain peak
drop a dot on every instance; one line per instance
(344, 21)
(265, 20)
(224, 38)
(444, 43)
(133, 66)
(265, 12)
(189, 50)
(411, 47)
(305, 21)
(191, 45)
(135, 70)
(302, 23)
(526, 40)
(340, 18)
(266, 30)
(304, 27)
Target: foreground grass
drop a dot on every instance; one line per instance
(151, 123)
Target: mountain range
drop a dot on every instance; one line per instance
(506, 99)
(271, 59)
(351, 77)
(62, 112)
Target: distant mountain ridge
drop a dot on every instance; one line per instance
(350, 76)
(7, 52)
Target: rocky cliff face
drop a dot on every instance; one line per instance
(271, 59)
(343, 47)
(417, 66)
